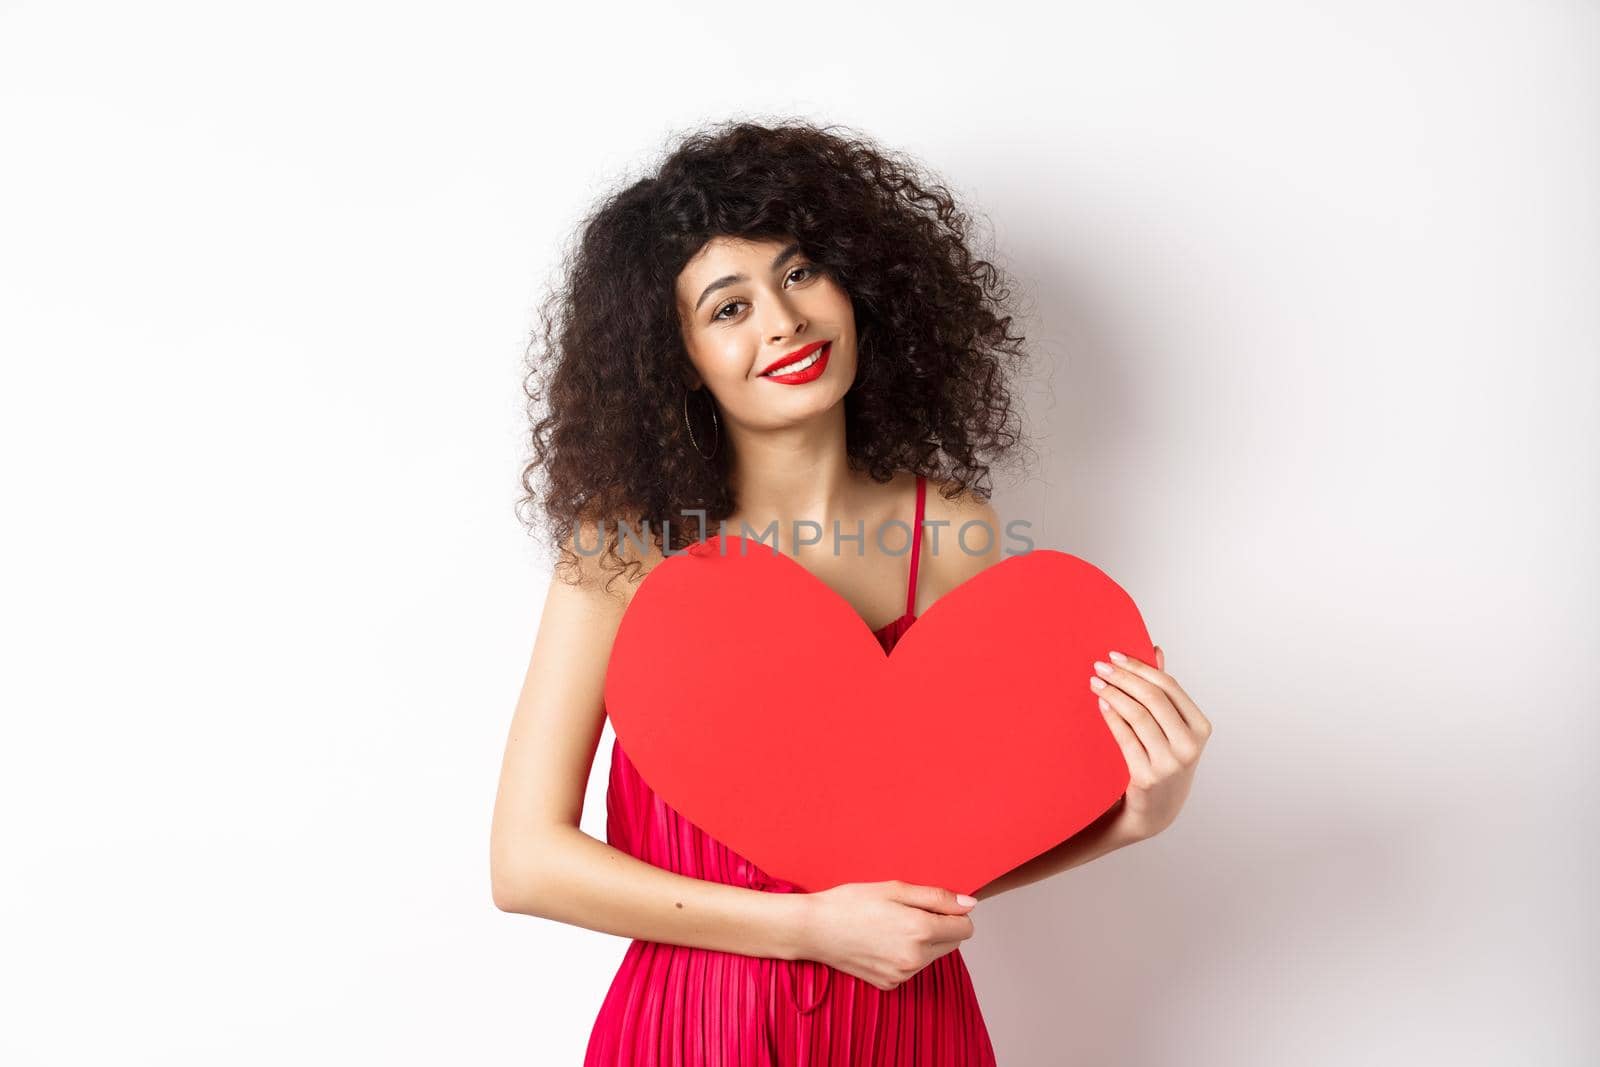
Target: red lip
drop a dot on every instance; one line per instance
(794, 357)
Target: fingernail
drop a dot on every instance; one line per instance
(1118, 657)
(965, 901)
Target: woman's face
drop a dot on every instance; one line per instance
(746, 304)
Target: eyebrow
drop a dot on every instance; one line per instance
(722, 283)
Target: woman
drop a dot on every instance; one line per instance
(782, 326)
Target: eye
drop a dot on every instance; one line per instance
(718, 316)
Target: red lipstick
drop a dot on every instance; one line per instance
(793, 357)
(811, 373)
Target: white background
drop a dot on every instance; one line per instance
(1312, 290)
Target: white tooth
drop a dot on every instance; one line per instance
(802, 365)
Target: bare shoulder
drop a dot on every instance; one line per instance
(967, 539)
(592, 578)
(590, 591)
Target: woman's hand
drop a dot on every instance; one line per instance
(1162, 734)
(884, 932)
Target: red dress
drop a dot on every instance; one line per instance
(679, 1006)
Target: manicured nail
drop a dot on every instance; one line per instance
(1118, 657)
(1096, 684)
(1103, 668)
(965, 901)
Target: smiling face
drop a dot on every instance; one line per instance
(745, 304)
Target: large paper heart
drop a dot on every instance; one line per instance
(758, 704)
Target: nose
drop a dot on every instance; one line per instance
(785, 321)
(799, 328)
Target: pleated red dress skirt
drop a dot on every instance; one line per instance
(680, 1006)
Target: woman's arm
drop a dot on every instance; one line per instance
(589, 883)
(542, 864)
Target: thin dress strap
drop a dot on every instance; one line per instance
(916, 547)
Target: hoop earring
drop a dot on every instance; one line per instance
(715, 423)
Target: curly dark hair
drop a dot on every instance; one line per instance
(606, 371)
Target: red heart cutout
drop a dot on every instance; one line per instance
(758, 704)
